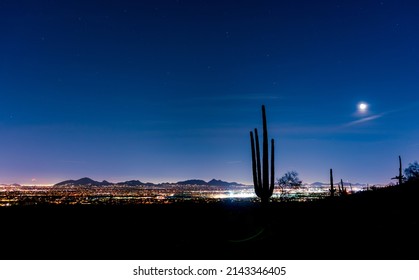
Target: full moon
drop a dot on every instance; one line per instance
(362, 107)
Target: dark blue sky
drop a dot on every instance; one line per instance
(169, 90)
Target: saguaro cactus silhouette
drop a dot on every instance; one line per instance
(263, 188)
(400, 176)
(332, 188)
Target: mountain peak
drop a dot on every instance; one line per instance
(192, 182)
(82, 181)
(219, 183)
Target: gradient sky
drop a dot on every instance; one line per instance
(169, 90)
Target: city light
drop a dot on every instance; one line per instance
(164, 194)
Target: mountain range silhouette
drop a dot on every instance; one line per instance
(90, 182)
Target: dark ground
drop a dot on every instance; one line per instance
(380, 224)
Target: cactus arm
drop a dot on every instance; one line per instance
(271, 189)
(265, 158)
(258, 166)
(255, 175)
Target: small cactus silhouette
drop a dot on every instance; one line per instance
(263, 188)
(400, 177)
(342, 189)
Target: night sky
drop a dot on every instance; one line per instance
(169, 90)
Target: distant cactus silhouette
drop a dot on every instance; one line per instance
(263, 188)
(339, 187)
(400, 176)
(342, 189)
(332, 188)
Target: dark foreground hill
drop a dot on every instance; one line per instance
(381, 224)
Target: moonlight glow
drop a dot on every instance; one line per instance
(362, 107)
